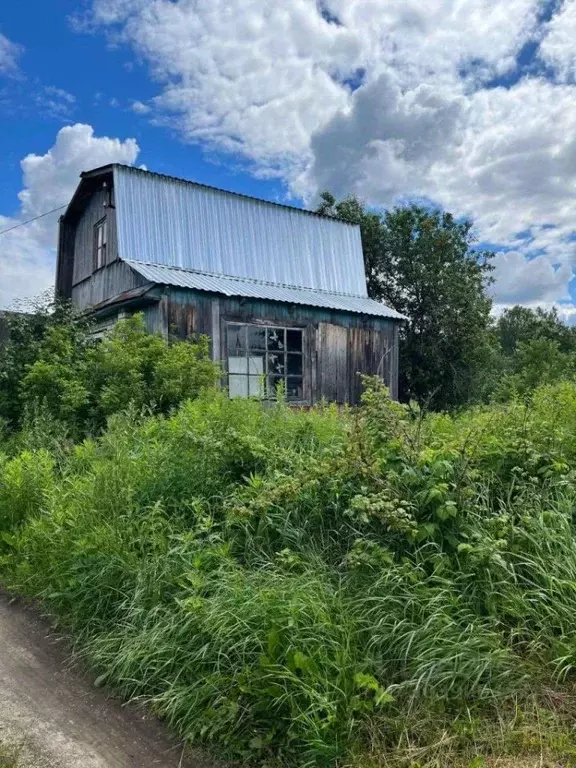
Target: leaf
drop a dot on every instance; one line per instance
(301, 661)
(383, 698)
(8, 538)
(366, 682)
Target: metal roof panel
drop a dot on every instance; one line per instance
(176, 223)
(258, 289)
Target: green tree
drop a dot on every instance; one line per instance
(521, 324)
(80, 383)
(42, 330)
(423, 263)
(52, 368)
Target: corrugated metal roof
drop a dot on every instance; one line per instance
(258, 289)
(162, 220)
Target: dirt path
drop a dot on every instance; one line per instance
(58, 717)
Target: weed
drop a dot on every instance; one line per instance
(322, 588)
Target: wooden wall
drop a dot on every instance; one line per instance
(84, 235)
(105, 284)
(338, 345)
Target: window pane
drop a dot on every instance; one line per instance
(236, 339)
(294, 365)
(294, 389)
(276, 363)
(256, 386)
(238, 386)
(276, 341)
(294, 341)
(237, 365)
(256, 338)
(104, 228)
(274, 382)
(256, 365)
(100, 235)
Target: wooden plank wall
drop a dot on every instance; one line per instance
(333, 361)
(105, 284)
(371, 354)
(337, 346)
(84, 235)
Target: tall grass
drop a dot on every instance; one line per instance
(295, 588)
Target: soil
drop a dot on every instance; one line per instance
(52, 715)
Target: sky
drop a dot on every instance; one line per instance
(469, 105)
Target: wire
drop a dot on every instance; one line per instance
(22, 223)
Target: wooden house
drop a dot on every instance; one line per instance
(280, 291)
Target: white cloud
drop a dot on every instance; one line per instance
(386, 143)
(386, 98)
(9, 54)
(54, 102)
(27, 254)
(513, 166)
(533, 282)
(140, 108)
(558, 47)
(260, 77)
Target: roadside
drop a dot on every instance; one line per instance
(51, 716)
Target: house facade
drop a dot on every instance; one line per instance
(280, 292)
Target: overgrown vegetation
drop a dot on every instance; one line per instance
(53, 367)
(426, 265)
(384, 586)
(364, 588)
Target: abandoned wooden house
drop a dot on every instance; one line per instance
(281, 292)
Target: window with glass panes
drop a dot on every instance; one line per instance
(100, 243)
(263, 358)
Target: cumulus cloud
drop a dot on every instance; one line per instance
(537, 281)
(9, 53)
(385, 144)
(261, 77)
(385, 98)
(558, 48)
(27, 253)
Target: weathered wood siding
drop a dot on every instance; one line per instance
(104, 284)
(96, 209)
(333, 360)
(337, 345)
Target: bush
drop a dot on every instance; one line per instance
(299, 588)
(53, 365)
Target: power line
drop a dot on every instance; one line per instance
(22, 223)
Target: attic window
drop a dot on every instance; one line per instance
(261, 359)
(100, 243)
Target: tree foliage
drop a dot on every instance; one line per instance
(533, 347)
(40, 327)
(423, 263)
(52, 362)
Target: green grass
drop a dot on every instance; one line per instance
(9, 756)
(318, 588)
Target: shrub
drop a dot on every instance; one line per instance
(81, 383)
(294, 587)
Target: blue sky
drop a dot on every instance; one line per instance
(468, 103)
(104, 80)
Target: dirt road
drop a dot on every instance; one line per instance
(58, 717)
